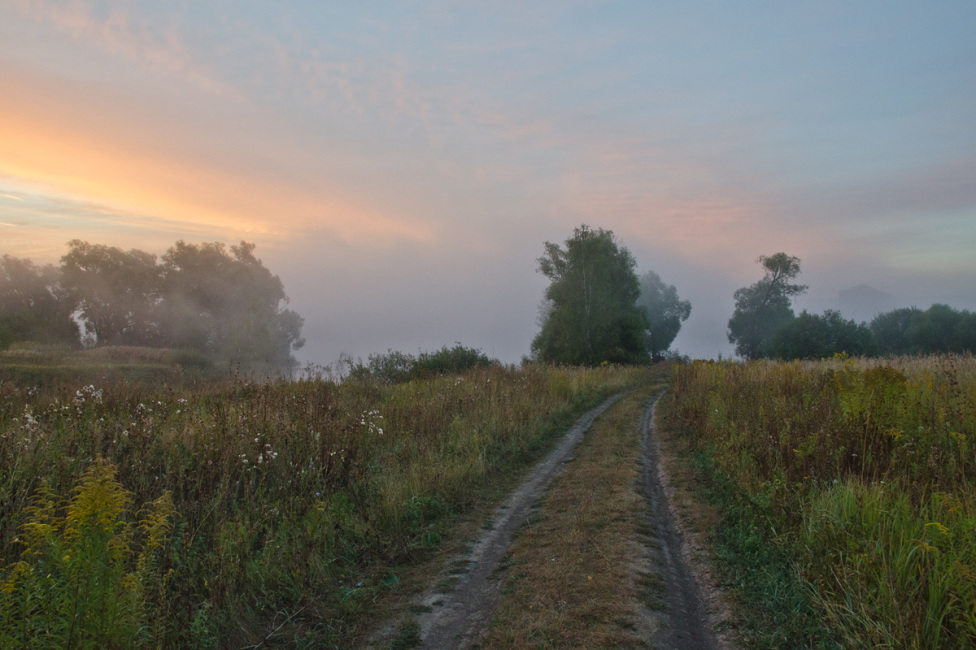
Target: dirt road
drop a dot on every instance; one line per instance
(456, 613)
(457, 618)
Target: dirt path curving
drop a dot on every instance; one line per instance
(457, 618)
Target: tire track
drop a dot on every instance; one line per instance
(458, 618)
(683, 621)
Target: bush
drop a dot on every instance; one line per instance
(451, 361)
(397, 367)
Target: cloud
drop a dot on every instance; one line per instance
(120, 32)
(151, 162)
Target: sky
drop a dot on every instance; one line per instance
(399, 165)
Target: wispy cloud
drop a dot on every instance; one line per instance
(121, 32)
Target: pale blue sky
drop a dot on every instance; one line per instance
(400, 164)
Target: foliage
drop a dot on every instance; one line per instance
(764, 307)
(592, 315)
(866, 475)
(395, 367)
(227, 305)
(201, 300)
(937, 330)
(451, 361)
(665, 313)
(115, 290)
(809, 336)
(297, 501)
(32, 305)
(83, 580)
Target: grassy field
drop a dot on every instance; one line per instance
(248, 513)
(849, 495)
(59, 367)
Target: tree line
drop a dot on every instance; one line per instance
(764, 324)
(597, 309)
(221, 303)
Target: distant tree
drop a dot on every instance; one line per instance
(809, 336)
(591, 312)
(227, 305)
(932, 331)
(936, 330)
(964, 335)
(116, 292)
(764, 307)
(665, 313)
(890, 330)
(33, 304)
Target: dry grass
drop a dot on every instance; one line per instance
(571, 580)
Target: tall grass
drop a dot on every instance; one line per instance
(864, 472)
(292, 503)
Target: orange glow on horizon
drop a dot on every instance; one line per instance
(46, 142)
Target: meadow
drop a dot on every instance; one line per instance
(245, 513)
(849, 494)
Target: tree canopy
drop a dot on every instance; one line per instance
(762, 308)
(223, 304)
(227, 305)
(591, 313)
(665, 312)
(33, 306)
(810, 336)
(938, 329)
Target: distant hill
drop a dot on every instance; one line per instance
(862, 303)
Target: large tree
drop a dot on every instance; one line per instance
(116, 292)
(764, 307)
(227, 305)
(591, 312)
(665, 313)
(33, 304)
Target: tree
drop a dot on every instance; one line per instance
(665, 313)
(891, 328)
(764, 307)
(809, 336)
(227, 305)
(116, 291)
(591, 310)
(936, 330)
(33, 305)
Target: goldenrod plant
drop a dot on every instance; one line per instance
(88, 573)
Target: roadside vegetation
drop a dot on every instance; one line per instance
(250, 513)
(849, 494)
